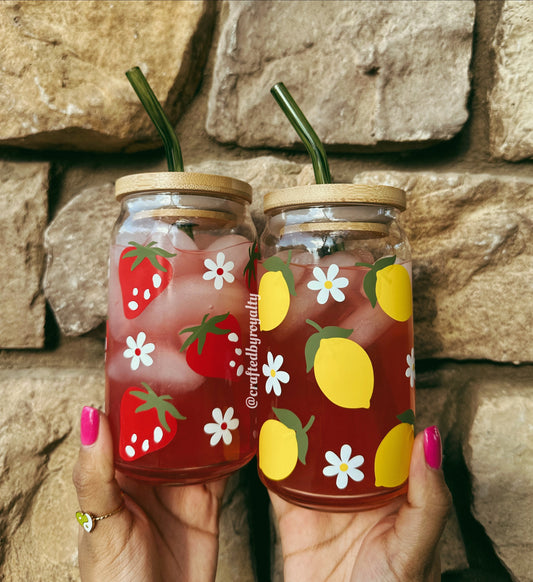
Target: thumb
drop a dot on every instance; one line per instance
(422, 518)
(94, 478)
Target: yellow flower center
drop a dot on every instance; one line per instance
(273, 373)
(343, 467)
(328, 284)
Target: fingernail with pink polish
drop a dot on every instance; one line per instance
(89, 425)
(433, 447)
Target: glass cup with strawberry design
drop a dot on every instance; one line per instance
(182, 272)
(337, 354)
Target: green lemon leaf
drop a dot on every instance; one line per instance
(276, 264)
(370, 280)
(384, 262)
(288, 418)
(273, 264)
(311, 348)
(408, 416)
(303, 440)
(369, 286)
(289, 279)
(313, 343)
(303, 445)
(333, 331)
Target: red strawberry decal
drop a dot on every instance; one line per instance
(144, 273)
(148, 422)
(214, 348)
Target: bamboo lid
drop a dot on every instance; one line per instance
(175, 215)
(349, 229)
(185, 182)
(333, 195)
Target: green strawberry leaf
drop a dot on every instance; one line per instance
(254, 254)
(149, 252)
(199, 332)
(408, 416)
(152, 401)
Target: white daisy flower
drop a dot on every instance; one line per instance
(410, 372)
(138, 351)
(219, 271)
(343, 467)
(274, 375)
(222, 427)
(327, 285)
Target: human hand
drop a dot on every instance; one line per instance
(394, 543)
(163, 533)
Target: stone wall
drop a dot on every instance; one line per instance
(435, 97)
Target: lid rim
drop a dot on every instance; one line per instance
(334, 194)
(187, 182)
(312, 227)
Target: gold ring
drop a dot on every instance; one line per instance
(88, 520)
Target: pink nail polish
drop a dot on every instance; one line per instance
(433, 447)
(89, 425)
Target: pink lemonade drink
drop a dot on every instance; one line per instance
(182, 282)
(337, 395)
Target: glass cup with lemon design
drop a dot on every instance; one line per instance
(337, 354)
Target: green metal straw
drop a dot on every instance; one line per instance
(305, 131)
(157, 115)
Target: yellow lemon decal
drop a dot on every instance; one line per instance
(391, 464)
(282, 443)
(274, 300)
(343, 369)
(278, 450)
(393, 292)
(275, 290)
(389, 285)
(344, 372)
